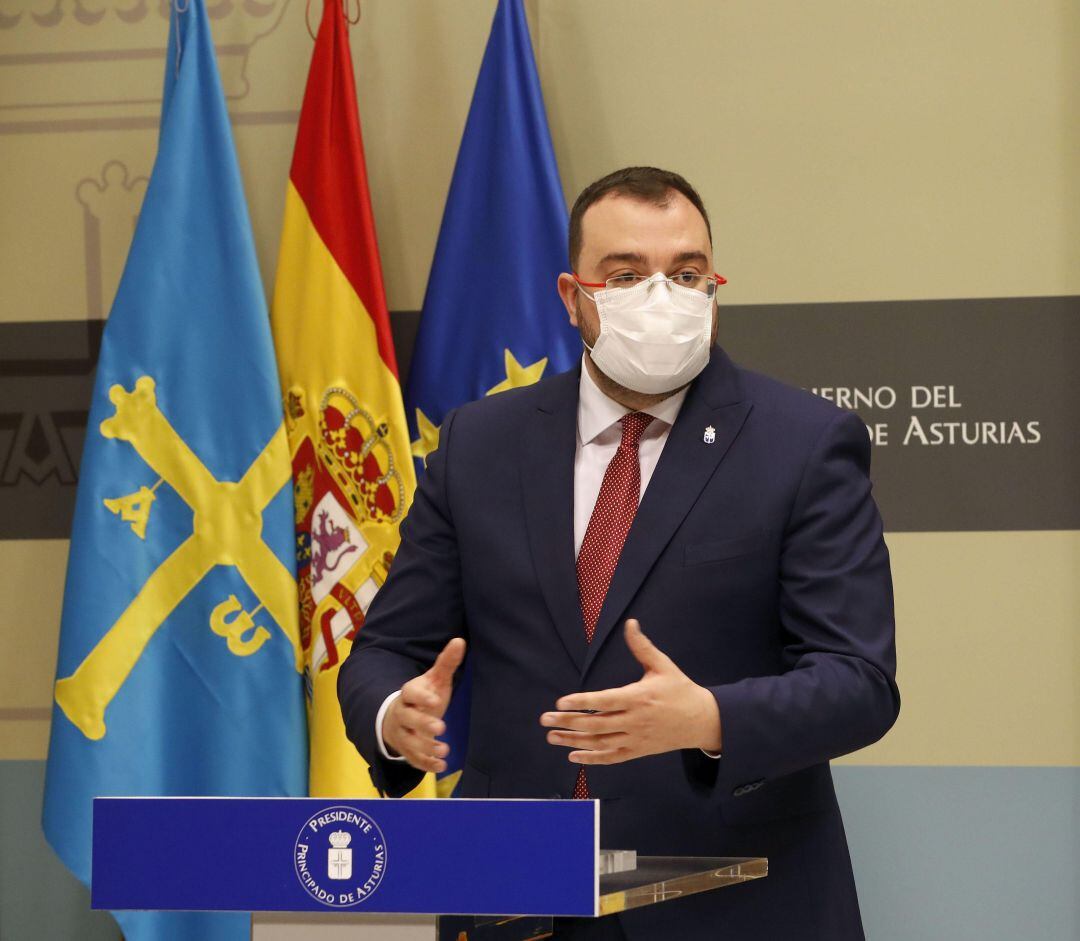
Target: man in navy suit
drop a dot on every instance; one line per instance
(671, 578)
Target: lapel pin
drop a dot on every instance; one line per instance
(710, 435)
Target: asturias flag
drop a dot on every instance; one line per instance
(179, 668)
(347, 434)
(492, 318)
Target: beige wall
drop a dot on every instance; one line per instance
(848, 149)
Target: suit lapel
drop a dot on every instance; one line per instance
(685, 466)
(547, 452)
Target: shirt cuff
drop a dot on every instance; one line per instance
(379, 716)
(707, 754)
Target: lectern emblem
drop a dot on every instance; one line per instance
(340, 856)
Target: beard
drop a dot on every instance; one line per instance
(607, 385)
(613, 389)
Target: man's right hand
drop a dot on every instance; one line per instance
(414, 719)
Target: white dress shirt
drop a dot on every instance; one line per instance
(598, 436)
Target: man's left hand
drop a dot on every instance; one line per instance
(663, 711)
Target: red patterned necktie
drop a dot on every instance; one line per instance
(611, 517)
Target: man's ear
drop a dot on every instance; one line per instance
(568, 291)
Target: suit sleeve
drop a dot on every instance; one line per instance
(412, 617)
(838, 691)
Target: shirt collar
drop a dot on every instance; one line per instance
(597, 412)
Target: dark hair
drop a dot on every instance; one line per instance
(645, 183)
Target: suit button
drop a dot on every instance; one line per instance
(556, 796)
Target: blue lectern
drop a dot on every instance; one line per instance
(504, 863)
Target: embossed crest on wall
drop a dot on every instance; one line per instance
(46, 369)
(66, 62)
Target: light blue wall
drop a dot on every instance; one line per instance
(986, 854)
(39, 899)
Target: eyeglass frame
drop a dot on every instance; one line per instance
(717, 279)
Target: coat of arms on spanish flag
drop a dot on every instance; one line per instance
(353, 473)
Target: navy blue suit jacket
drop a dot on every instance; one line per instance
(756, 562)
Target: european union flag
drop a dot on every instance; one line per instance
(492, 318)
(178, 668)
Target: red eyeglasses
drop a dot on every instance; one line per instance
(706, 283)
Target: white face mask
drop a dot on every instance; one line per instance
(654, 337)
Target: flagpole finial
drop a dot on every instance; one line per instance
(180, 7)
(345, 9)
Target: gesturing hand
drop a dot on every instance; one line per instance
(414, 719)
(663, 711)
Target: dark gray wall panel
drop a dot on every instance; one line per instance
(1008, 397)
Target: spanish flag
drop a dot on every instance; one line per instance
(353, 474)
